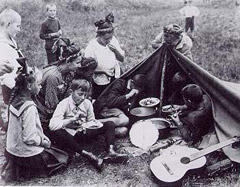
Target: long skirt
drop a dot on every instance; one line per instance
(42, 165)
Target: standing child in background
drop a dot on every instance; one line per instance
(50, 32)
(189, 12)
(28, 150)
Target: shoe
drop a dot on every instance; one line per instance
(116, 158)
(94, 160)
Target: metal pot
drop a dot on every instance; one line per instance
(162, 125)
(140, 113)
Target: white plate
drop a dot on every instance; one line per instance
(143, 134)
(169, 108)
(92, 125)
(149, 102)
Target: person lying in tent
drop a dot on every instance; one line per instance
(67, 124)
(122, 96)
(174, 36)
(195, 118)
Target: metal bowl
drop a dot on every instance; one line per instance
(142, 112)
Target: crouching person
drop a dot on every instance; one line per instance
(195, 118)
(69, 118)
(28, 150)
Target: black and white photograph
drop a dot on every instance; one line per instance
(120, 93)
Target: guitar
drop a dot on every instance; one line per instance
(175, 161)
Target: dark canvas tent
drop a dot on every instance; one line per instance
(162, 64)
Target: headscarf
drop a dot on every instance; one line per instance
(106, 24)
(173, 29)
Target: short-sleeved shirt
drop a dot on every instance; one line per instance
(105, 59)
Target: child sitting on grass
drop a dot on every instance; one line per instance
(69, 119)
(28, 150)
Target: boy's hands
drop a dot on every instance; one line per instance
(132, 93)
(45, 143)
(5, 67)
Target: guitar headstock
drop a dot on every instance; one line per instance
(236, 138)
(236, 143)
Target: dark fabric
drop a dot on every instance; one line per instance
(50, 25)
(160, 67)
(53, 56)
(225, 101)
(41, 165)
(6, 93)
(152, 67)
(54, 89)
(98, 89)
(65, 141)
(108, 130)
(197, 122)
(189, 24)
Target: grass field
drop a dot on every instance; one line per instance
(216, 49)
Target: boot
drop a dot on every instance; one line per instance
(94, 160)
(114, 157)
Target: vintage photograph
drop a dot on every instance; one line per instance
(129, 93)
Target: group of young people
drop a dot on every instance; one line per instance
(50, 107)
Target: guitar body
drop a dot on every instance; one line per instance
(174, 162)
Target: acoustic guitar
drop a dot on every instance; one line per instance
(175, 161)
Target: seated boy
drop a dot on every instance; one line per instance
(195, 118)
(122, 96)
(68, 118)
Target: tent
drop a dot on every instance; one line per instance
(163, 63)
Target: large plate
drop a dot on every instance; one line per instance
(149, 102)
(92, 125)
(143, 134)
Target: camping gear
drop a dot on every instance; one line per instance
(175, 161)
(149, 102)
(163, 125)
(163, 64)
(143, 134)
(140, 113)
(169, 109)
(92, 125)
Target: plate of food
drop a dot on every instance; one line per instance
(149, 102)
(92, 125)
(169, 108)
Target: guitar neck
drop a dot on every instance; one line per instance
(211, 149)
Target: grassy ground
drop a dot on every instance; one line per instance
(139, 21)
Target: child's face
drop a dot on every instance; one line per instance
(79, 96)
(14, 28)
(35, 87)
(52, 12)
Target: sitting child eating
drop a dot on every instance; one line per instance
(69, 118)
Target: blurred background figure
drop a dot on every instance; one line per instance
(50, 32)
(189, 12)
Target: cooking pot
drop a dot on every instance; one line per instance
(162, 125)
(140, 113)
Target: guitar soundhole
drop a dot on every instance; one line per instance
(185, 160)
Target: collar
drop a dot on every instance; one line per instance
(182, 42)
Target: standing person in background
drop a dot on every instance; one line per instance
(189, 12)
(106, 50)
(50, 32)
(173, 36)
(10, 26)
